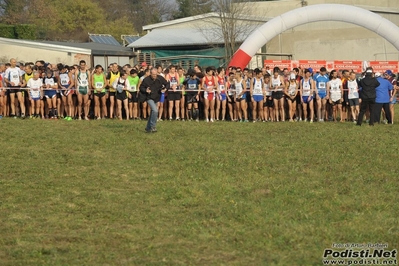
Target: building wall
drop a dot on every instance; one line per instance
(27, 54)
(329, 40)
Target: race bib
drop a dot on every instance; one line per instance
(258, 89)
(64, 82)
(84, 83)
(50, 82)
(119, 88)
(292, 90)
(15, 78)
(238, 88)
(306, 88)
(322, 85)
(173, 83)
(221, 87)
(35, 93)
(133, 88)
(335, 87)
(192, 86)
(99, 85)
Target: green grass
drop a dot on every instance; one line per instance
(106, 193)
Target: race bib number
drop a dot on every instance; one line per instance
(192, 86)
(35, 93)
(322, 85)
(64, 82)
(258, 89)
(50, 82)
(15, 78)
(238, 88)
(99, 85)
(335, 87)
(292, 91)
(133, 88)
(306, 88)
(119, 88)
(84, 83)
(221, 87)
(173, 83)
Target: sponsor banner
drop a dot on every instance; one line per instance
(356, 66)
(314, 64)
(382, 66)
(278, 63)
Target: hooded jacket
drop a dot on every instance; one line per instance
(368, 85)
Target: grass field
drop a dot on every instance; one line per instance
(106, 193)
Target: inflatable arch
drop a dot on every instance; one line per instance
(314, 13)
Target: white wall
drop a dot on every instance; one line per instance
(28, 54)
(331, 40)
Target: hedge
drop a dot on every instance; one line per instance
(7, 31)
(19, 31)
(25, 31)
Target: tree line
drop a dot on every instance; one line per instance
(72, 20)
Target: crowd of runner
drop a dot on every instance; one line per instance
(58, 91)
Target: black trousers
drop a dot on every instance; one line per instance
(367, 104)
(377, 112)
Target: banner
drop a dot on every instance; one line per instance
(382, 66)
(356, 66)
(278, 63)
(314, 64)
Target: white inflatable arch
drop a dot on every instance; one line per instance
(314, 13)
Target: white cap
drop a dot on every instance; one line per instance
(369, 71)
(377, 74)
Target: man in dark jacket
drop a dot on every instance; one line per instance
(151, 88)
(368, 94)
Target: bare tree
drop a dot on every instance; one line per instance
(144, 12)
(232, 26)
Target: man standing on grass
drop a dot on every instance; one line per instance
(368, 95)
(13, 78)
(382, 100)
(152, 87)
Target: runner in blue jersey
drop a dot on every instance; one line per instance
(321, 79)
